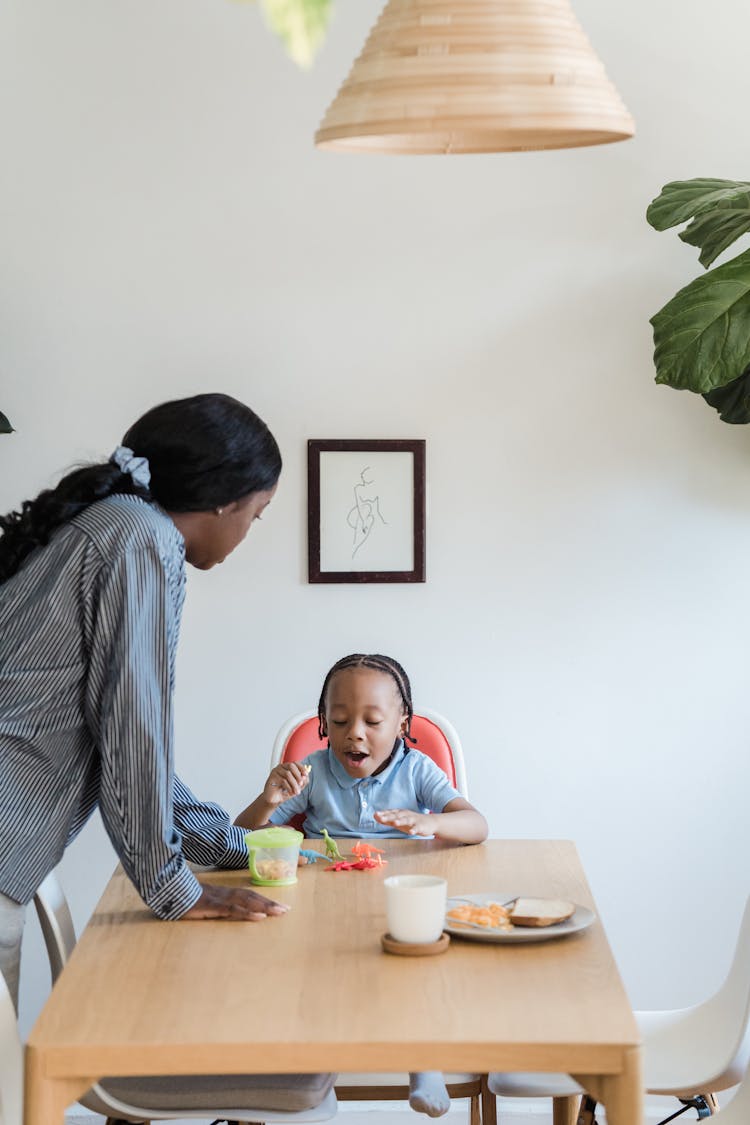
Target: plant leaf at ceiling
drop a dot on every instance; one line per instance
(300, 24)
(720, 210)
(5, 426)
(733, 400)
(702, 336)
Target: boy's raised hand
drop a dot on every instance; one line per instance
(407, 821)
(284, 781)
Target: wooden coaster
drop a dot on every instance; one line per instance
(414, 948)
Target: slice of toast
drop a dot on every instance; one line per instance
(540, 911)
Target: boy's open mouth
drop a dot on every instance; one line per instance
(355, 756)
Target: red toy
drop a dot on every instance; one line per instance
(367, 857)
(357, 865)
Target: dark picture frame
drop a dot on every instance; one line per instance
(366, 510)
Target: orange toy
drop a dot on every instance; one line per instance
(369, 854)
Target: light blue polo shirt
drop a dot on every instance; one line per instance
(345, 805)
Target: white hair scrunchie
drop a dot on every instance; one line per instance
(136, 467)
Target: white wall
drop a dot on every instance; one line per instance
(168, 228)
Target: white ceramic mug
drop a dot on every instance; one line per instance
(415, 907)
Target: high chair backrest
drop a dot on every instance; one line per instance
(436, 737)
(11, 1061)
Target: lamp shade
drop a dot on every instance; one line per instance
(450, 76)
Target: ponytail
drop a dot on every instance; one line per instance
(189, 455)
(33, 525)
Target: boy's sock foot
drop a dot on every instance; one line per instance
(427, 1093)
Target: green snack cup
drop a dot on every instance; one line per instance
(272, 855)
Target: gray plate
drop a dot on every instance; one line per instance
(579, 920)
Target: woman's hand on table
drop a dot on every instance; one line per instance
(236, 903)
(408, 821)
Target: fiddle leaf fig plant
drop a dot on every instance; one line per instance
(702, 336)
(5, 426)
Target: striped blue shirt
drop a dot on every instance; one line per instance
(346, 806)
(88, 637)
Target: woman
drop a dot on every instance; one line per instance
(92, 579)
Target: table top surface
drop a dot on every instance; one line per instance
(313, 990)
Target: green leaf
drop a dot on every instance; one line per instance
(680, 200)
(5, 426)
(720, 210)
(733, 400)
(702, 336)
(301, 25)
(714, 230)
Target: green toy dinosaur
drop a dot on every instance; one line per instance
(331, 847)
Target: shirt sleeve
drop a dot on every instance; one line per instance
(129, 710)
(433, 788)
(208, 835)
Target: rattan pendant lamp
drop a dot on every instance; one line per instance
(454, 76)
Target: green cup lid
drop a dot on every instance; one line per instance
(276, 836)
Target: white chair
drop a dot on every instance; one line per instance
(437, 738)
(234, 1098)
(690, 1053)
(11, 1061)
(738, 1110)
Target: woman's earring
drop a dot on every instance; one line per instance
(219, 511)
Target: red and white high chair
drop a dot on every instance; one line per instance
(437, 738)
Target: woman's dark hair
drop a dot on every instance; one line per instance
(203, 453)
(379, 663)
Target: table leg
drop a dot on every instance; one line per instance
(565, 1110)
(620, 1094)
(46, 1099)
(489, 1104)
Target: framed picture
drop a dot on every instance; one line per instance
(366, 511)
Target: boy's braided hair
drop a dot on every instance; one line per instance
(379, 663)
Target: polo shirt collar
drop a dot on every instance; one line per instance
(348, 782)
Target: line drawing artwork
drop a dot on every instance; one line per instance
(365, 510)
(361, 516)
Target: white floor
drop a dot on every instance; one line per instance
(519, 1112)
(369, 1113)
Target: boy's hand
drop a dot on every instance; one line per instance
(407, 821)
(284, 781)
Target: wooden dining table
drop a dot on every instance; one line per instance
(313, 990)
